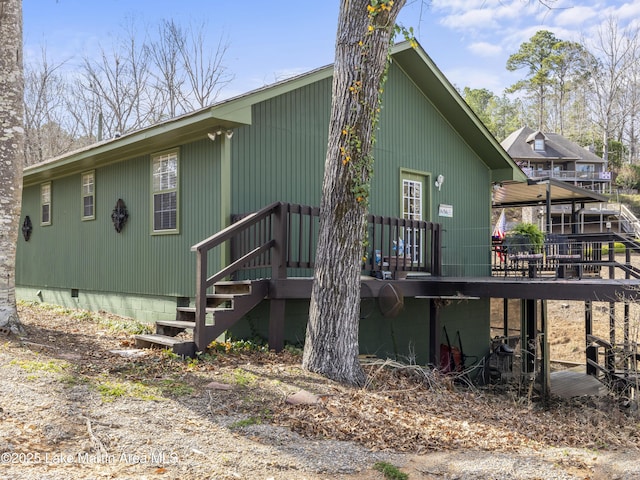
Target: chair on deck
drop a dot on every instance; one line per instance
(564, 254)
(521, 255)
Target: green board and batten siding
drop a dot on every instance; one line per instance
(97, 258)
(280, 157)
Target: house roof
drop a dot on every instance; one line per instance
(557, 147)
(236, 112)
(534, 192)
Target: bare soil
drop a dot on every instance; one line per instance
(78, 401)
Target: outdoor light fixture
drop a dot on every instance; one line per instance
(218, 133)
(439, 181)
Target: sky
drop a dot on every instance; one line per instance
(469, 40)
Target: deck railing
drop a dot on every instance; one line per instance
(279, 241)
(573, 255)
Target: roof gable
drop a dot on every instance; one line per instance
(236, 112)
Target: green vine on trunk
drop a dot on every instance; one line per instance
(358, 164)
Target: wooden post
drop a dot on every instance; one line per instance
(434, 333)
(201, 301)
(592, 352)
(278, 271)
(505, 316)
(545, 379)
(528, 334)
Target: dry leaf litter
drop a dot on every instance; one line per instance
(78, 401)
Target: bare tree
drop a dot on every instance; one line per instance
(48, 131)
(116, 86)
(365, 31)
(188, 74)
(165, 55)
(11, 156)
(204, 69)
(614, 51)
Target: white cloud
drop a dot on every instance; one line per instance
(485, 49)
(627, 11)
(574, 16)
(472, 19)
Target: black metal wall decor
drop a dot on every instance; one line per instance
(27, 228)
(119, 216)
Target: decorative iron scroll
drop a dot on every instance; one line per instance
(27, 228)
(119, 216)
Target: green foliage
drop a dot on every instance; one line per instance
(110, 390)
(245, 422)
(238, 346)
(632, 202)
(500, 115)
(530, 230)
(389, 471)
(34, 366)
(629, 177)
(617, 248)
(554, 67)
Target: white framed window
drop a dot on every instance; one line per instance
(88, 197)
(538, 144)
(165, 192)
(45, 203)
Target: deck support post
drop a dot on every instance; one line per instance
(528, 329)
(505, 317)
(592, 352)
(545, 378)
(278, 271)
(434, 333)
(276, 324)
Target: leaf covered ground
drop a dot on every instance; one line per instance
(408, 413)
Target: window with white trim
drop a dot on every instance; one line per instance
(45, 204)
(88, 195)
(165, 192)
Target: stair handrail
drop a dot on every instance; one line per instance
(203, 282)
(630, 220)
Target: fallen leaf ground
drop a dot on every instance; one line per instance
(404, 409)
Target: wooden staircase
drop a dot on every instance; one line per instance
(228, 304)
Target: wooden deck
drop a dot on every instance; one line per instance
(599, 289)
(576, 383)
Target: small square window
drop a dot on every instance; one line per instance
(538, 144)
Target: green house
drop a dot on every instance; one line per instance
(111, 226)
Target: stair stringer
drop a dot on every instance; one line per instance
(223, 319)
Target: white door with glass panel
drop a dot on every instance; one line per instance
(412, 209)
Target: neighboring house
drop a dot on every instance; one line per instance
(110, 227)
(552, 155)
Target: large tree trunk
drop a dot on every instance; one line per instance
(362, 49)
(11, 156)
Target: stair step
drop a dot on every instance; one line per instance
(179, 347)
(172, 328)
(176, 324)
(233, 287)
(208, 309)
